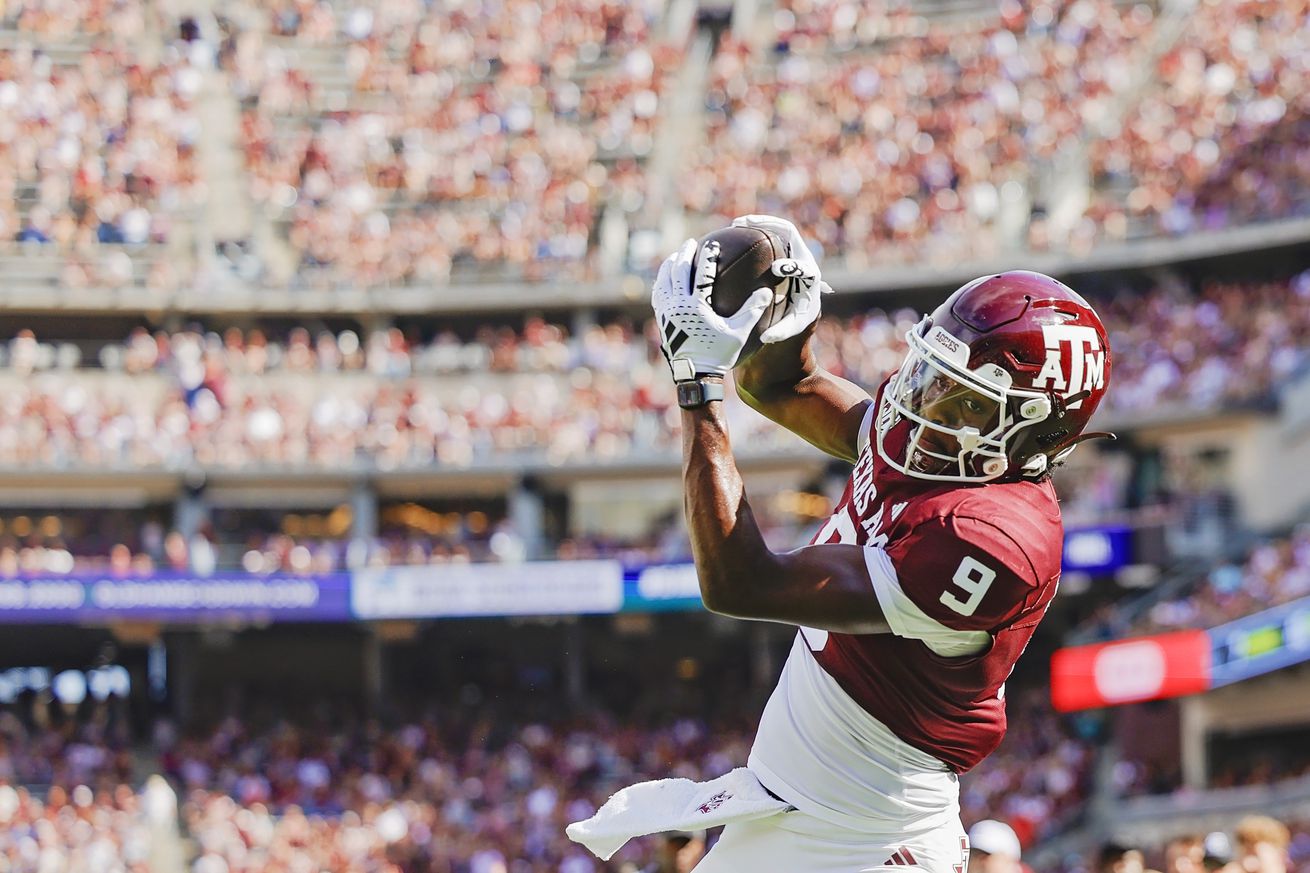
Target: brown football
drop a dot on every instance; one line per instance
(744, 258)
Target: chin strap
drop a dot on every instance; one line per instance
(1036, 465)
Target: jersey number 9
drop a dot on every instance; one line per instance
(973, 578)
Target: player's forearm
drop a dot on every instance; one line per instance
(825, 587)
(776, 373)
(726, 543)
(774, 400)
(784, 383)
(821, 409)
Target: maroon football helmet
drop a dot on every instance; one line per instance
(1000, 381)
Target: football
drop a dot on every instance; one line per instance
(743, 257)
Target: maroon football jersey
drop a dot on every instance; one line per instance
(980, 557)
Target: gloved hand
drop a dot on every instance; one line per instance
(801, 268)
(697, 340)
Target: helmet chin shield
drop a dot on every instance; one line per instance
(961, 421)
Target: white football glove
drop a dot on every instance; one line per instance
(806, 283)
(697, 340)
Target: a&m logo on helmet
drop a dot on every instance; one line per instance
(1086, 367)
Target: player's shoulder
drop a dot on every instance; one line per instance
(1002, 502)
(1007, 503)
(1017, 523)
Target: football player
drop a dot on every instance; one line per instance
(921, 591)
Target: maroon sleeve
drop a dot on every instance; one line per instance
(964, 572)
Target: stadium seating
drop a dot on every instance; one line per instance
(915, 148)
(309, 151)
(232, 400)
(98, 168)
(384, 149)
(1218, 135)
(445, 788)
(442, 788)
(467, 169)
(1276, 571)
(75, 829)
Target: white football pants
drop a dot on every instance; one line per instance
(793, 842)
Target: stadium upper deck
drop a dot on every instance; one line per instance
(570, 144)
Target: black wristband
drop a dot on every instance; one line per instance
(697, 392)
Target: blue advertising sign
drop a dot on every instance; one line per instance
(661, 588)
(174, 598)
(1261, 643)
(1097, 550)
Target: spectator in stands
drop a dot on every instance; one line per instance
(1262, 844)
(1116, 857)
(77, 829)
(952, 160)
(1185, 854)
(192, 396)
(679, 852)
(962, 121)
(97, 152)
(1218, 855)
(457, 789)
(1219, 136)
(1275, 572)
(36, 227)
(993, 848)
(432, 792)
(504, 166)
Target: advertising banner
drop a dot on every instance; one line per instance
(96, 598)
(661, 588)
(1261, 643)
(1097, 550)
(455, 590)
(1131, 670)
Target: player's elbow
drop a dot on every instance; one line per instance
(741, 591)
(720, 595)
(725, 591)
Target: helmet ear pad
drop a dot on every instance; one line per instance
(1035, 408)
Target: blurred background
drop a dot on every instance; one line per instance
(340, 521)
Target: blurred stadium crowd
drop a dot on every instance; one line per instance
(242, 399)
(408, 143)
(1275, 572)
(450, 790)
(400, 143)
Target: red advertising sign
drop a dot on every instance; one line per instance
(1128, 671)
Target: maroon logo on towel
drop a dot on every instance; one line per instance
(714, 802)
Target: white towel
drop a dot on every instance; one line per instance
(674, 805)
